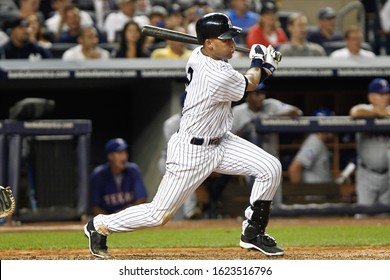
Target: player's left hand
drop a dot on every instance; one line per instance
(257, 54)
(271, 59)
(258, 51)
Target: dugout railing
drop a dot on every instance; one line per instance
(48, 186)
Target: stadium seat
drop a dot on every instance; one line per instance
(59, 48)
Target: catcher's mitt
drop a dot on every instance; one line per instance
(7, 202)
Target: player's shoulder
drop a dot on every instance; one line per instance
(313, 139)
(100, 169)
(131, 166)
(198, 59)
(271, 104)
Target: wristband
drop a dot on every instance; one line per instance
(256, 63)
(264, 75)
(269, 66)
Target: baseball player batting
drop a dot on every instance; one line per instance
(204, 144)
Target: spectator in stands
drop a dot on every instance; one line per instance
(195, 12)
(118, 183)
(298, 45)
(173, 49)
(20, 46)
(312, 163)
(87, 47)
(30, 7)
(353, 45)
(326, 31)
(38, 33)
(241, 16)
(8, 6)
(175, 17)
(143, 7)
(157, 17)
(115, 21)
(72, 19)
(101, 9)
(268, 30)
(170, 126)
(56, 24)
(373, 148)
(131, 42)
(384, 16)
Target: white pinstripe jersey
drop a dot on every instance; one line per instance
(211, 88)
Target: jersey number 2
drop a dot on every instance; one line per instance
(190, 72)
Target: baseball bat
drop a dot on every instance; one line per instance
(167, 34)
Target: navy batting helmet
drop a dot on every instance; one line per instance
(215, 25)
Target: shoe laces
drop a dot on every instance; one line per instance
(268, 238)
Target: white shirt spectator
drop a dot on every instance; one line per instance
(384, 15)
(53, 23)
(115, 21)
(75, 53)
(345, 53)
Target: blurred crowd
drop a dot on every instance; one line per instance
(103, 29)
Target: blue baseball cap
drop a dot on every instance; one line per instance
(379, 85)
(327, 13)
(116, 145)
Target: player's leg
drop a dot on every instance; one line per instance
(384, 190)
(190, 207)
(371, 189)
(185, 172)
(366, 190)
(244, 158)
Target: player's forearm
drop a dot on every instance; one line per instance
(364, 113)
(295, 172)
(291, 113)
(253, 75)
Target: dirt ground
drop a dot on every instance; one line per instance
(291, 253)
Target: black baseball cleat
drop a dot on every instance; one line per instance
(97, 241)
(263, 243)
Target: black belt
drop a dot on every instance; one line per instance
(200, 141)
(380, 171)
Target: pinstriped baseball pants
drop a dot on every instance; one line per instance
(188, 166)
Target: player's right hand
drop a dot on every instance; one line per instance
(258, 51)
(271, 59)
